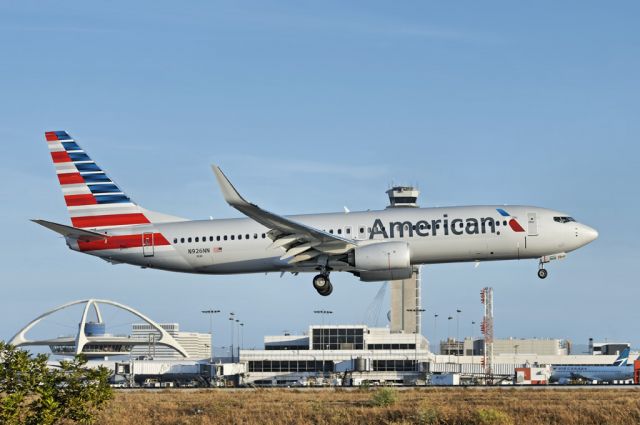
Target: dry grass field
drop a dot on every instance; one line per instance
(376, 406)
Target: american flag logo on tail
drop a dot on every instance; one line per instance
(92, 198)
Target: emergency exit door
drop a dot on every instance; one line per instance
(147, 244)
(532, 224)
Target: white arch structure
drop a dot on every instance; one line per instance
(82, 339)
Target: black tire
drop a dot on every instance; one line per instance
(326, 292)
(542, 273)
(321, 282)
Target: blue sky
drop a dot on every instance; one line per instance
(310, 106)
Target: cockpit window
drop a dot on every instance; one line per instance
(563, 219)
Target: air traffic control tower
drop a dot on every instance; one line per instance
(405, 293)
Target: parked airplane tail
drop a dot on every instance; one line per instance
(93, 199)
(623, 358)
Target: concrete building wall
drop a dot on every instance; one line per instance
(405, 300)
(198, 345)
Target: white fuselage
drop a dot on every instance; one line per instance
(605, 373)
(434, 235)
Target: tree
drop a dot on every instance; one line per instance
(31, 392)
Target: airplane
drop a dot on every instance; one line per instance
(374, 246)
(620, 370)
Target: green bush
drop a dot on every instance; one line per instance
(490, 416)
(33, 393)
(384, 397)
(429, 416)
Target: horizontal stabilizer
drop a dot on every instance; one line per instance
(71, 232)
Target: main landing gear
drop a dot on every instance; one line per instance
(322, 284)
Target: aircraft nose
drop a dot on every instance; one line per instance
(590, 234)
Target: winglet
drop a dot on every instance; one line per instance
(229, 192)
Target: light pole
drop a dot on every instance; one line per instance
(473, 355)
(242, 335)
(211, 312)
(231, 321)
(322, 313)
(458, 311)
(415, 335)
(238, 338)
(435, 331)
(449, 337)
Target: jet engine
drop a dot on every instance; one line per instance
(382, 261)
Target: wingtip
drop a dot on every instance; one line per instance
(229, 192)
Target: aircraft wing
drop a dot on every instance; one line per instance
(71, 232)
(301, 242)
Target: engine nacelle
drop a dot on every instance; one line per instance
(382, 275)
(382, 261)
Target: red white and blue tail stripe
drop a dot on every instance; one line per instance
(92, 198)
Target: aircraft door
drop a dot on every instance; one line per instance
(532, 224)
(147, 244)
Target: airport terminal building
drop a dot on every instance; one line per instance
(327, 353)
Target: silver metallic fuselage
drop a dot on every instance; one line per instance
(250, 252)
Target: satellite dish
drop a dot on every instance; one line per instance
(389, 315)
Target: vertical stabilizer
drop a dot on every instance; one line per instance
(93, 199)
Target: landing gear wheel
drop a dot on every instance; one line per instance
(322, 284)
(542, 273)
(327, 291)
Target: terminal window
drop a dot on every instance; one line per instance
(338, 339)
(290, 366)
(394, 365)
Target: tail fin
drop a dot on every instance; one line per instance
(92, 198)
(623, 358)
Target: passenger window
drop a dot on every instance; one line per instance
(189, 240)
(339, 231)
(225, 237)
(255, 236)
(181, 240)
(348, 230)
(239, 237)
(197, 239)
(233, 237)
(331, 231)
(175, 240)
(362, 230)
(217, 238)
(246, 236)
(210, 238)
(264, 235)
(497, 223)
(504, 223)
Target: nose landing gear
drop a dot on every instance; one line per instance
(322, 284)
(542, 272)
